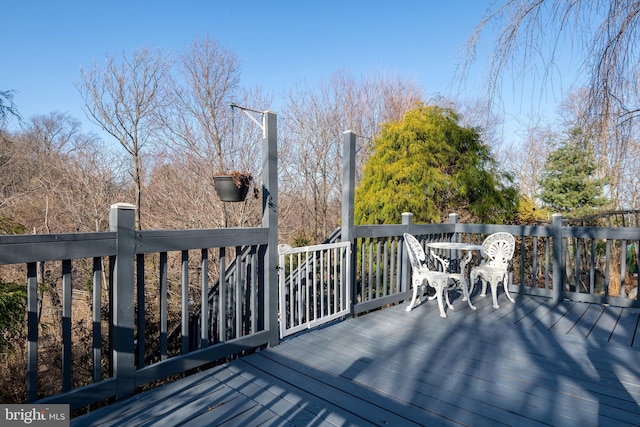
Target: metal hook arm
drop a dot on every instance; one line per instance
(246, 111)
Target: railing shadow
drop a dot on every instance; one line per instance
(391, 367)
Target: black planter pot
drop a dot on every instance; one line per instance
(232, 188)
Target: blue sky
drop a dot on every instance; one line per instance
(279, 43)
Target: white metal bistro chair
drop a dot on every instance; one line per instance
(420, 273)
(497, 252)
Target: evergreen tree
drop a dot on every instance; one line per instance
(568, 183)
(429, 165)
(13, 304)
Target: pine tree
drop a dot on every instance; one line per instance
(431, 166)
(568, 183)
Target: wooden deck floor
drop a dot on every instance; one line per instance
(525, 364)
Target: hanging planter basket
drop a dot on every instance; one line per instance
(233, 187)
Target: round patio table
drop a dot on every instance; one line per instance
(463, 261)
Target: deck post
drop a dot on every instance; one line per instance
(453, 219)
(122, 222)
(348, 197)
(270, 221)
(407, 219)
(558, 258)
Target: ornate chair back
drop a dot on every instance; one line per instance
(498, 249)
(497, 252)
(420, 274)
(416, 253)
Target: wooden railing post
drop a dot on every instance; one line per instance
(453, 219)
(348, 197)
(122, 222)
(405, 271)
(270, 221)
(558, 258)
(407, 219)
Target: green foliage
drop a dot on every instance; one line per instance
(529, 213)
(301, 238)
(8, 226)
(568, 180)
(13, 302)
(429, 165)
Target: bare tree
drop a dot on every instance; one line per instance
(179, 195)
(602, 33)
(12, 183)
(47, 142)
(95, 181)
(122, 98)
(40, 184)
(55, 133)
(197, 111)
(7, 106)
(204, 132)
(314, 129)
(528, 158)
(379, 98)
(311, 149)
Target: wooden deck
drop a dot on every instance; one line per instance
(577, 364)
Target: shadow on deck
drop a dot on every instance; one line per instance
(524, 364)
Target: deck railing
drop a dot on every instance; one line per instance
(314, 285)
(116, 297)
(590, 264)
(155, 281)
(123, 292)
(114, 312)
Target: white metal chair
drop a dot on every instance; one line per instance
(497, 252)
(420, 273)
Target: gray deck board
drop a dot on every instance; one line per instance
(603, 329)
(528, 363)
(587, 321)
(623, 333)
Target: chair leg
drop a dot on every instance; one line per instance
(417, 284)
(505, 284)
(473, 278)
(446, 290)
(483, 291)
(493, 280)
(494, 292)
(439, 292)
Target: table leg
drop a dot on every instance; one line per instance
(465, 283)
